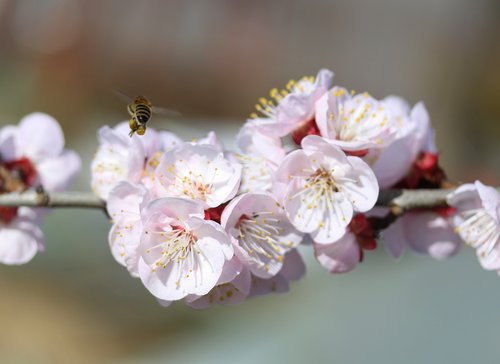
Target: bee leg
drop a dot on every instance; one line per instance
(133, 127)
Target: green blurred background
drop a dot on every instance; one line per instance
(211, 60)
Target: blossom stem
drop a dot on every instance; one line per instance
(398, 200)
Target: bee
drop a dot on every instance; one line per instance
(140, 110)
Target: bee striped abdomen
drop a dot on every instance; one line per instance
(142, 113)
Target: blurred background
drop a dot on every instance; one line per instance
(211, 60)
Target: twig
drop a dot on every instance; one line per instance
(53, 199)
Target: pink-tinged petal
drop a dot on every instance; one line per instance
(324, 78)
(293, 267)
(125, 199)
(196, 275)
(164, 303)
(230, 293)
(429, 233)
(425, 139)
(392, 163)
(322, 117)
(261, 231)
(213, 140)
(295, 164)
(314, 144)
(232, 268)
(207, 228)
(330, 216)
(124, 207)
(8, 148)
(169, 140)
(490, 258)
(464, 198)
(178, 209)
(19, 242)
(339, 257)
(198, 172)
(395, 239)
(39, 136)
(110, 136)
(490, 199)
(260, 286)
(361, 185)
(56, 173)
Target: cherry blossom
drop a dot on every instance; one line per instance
(292, 110)
(323, 188)
(478, 221)
(261, 232)
(181, 253)
(293, 269)
(197, 172)
(424, 232)
(32, 155)
(259, 155)
(354, 123)
(343, 255)
(414, 136)
(124, 205)
(233, 287)
(123, 158)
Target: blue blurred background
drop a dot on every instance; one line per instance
(211, 60)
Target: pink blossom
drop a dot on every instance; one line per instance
(124, 205)
(323, 188)
(478, 221)
(181, 253)
(261, 232)
(259, 156)
(197, 172)
(123, 158)
(232, 288)
(414, 135)
(291, 109)
(20, 238)
(425, 232)
(32, 155)
(293, 270)
(344, 254)
(354, 123)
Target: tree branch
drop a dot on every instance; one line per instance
(398, 200)
(53, 199)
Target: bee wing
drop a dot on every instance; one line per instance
(165, 112)
(123, 96)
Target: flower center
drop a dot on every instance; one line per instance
(15, 176)
(480, 230)
(175, 246)
(192, 185)
(309, 127)
(267, 107)
(258, 235)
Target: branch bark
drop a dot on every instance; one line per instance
(395, 199)
(53, 199)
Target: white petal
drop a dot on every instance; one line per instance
(490, 199)
(429, 233)
(394, 239)
(363, 193)
(339, 257)
(56, 173)
(39, 136)
(19, 245)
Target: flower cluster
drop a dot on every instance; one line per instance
(32, 156)
(199, 223)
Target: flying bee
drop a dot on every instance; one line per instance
(140, 110)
